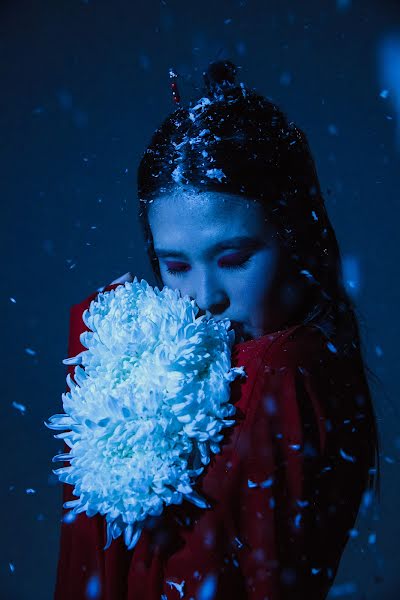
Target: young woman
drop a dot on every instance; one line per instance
(234, 217)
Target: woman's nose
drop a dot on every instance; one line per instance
(216, 302)
(214, 309)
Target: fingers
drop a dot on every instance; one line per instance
(127, 277)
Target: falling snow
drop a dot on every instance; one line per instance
(20, 407)
(30, 351)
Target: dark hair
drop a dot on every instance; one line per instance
(233, 140)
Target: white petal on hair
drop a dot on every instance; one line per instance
(215, 174)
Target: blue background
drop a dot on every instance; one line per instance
(83, 87)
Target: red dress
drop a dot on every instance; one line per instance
(284, 491)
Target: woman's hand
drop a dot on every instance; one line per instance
(127, 277)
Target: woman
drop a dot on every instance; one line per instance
(234, 217)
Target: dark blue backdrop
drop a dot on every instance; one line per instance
(83, 86)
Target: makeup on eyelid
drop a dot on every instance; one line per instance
(178, 268)
(243, 243)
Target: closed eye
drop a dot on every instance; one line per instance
(236, 260)
(176, 268)
(231, 261)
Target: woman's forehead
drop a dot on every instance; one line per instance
(183, 220)
(200, 208)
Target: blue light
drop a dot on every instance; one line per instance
(351, 274)
(208, 588)
(93, 587)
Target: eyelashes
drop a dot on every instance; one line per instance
(241, 264)
(175, 272)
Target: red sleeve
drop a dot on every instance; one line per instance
(81, 555)
(306, 459)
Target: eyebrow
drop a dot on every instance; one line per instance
(235, 242)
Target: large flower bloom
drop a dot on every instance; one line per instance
(145, 412)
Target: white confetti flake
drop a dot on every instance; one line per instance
(69, 518)
(353, 533)
(351, 273)
(238, 542)
(347, 456)
(208, 588)
(19, 407)
(177, 174)
(178, 586)
(267, 482)
(372, 538)
(295, 446)
(307, 274)
(93, 587)
(389, 460)
(215, 174)
(297, 520)
(331, 347)
(343, 589)
(302, 503)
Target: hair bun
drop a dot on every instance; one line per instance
(219, 75)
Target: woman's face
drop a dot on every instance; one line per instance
(218, 249)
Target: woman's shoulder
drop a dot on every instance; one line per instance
(77, 325)
(79, 307)
(302, 345)
(307, 356)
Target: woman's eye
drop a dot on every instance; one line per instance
(231, 261)
(234, 261)
(176, 268)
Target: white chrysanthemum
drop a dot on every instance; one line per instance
(150, 400)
